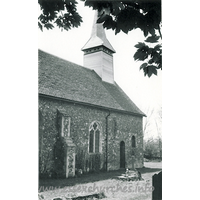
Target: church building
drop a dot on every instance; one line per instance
(86, 121)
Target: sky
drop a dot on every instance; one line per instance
(145, 92)
(20, 38)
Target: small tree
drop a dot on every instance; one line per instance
(153, 148)
(147, 121)
(159, 122)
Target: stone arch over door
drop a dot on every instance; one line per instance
(122, 154)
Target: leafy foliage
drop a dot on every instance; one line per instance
(59, 155)
(85, 161)
(94, 162)
(152, 56)
(129, 15)
(63, 13)
(153, 148)
(116, 15)
(81, 159)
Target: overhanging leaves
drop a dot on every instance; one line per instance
(116, 15)
(151, 56)
(62, 13)
(128, 15)
(152, 39)
(143, 65)
(48, 26)
(149, 70)
(142, 52)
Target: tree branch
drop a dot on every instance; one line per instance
(159, 31)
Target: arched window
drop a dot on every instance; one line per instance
(94, 138)
(91, 142)
(133, 141)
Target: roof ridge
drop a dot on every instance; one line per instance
(64, 79)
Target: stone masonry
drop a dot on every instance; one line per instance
(120, 127)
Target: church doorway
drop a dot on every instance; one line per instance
(122, 154)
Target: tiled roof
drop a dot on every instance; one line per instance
(63, 79)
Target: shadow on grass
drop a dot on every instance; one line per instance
(51, 184)
(149, 170)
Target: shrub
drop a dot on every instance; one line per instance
(153, 149)
(59, 158)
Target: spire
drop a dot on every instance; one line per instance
(98, 53)
(98, 36)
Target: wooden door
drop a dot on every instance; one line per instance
(122, 154)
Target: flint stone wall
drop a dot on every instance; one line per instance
(121, 127)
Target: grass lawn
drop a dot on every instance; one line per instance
(105, 182)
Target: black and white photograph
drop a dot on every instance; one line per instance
(100, 102)
(87, 110)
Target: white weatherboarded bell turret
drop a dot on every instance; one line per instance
(98, 53)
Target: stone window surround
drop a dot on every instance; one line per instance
(133, 145)
(100, 136)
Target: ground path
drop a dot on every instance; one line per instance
(102, 182)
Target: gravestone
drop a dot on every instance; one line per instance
(157, 184)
